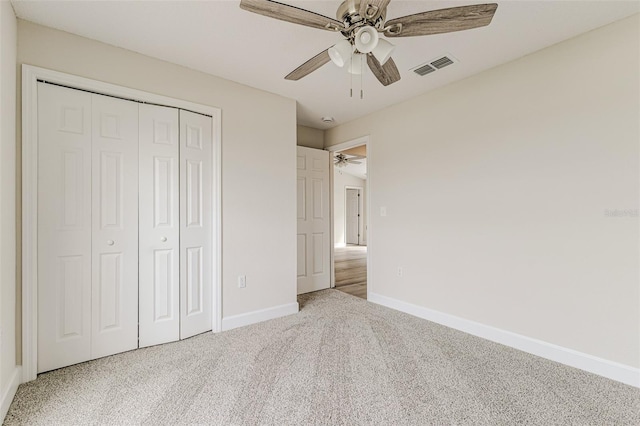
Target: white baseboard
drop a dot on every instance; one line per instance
(610, 369)
(241, 320)
(10, 391)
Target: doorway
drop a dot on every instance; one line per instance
(350, 227)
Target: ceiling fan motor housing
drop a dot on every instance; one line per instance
(349, 13)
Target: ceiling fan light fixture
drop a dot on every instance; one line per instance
(341, 53)
(366, 39)
(357, 63)
(383, 51)
(341, 160)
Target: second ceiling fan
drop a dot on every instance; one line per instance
(360, 21)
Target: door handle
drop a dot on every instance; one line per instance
(163, 239)
(110, 242)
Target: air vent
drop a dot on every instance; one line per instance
(424, 70)
(442, 62)
(434, 65)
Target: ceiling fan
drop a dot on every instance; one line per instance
(360, 21)
(342, 160)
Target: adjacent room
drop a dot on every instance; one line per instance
(350, 220)
(337, 212)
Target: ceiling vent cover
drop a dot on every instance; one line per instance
(442, 62)
(435, 65)
(424, 70)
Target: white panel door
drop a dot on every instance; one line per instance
(313, 219)
(115, 226)
(159, 226)
(196, 223)
(352, 216)
(64, 227)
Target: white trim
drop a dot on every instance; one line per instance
(216, 327)
(30, 77)
(332, 231)
(362, 140)
(10, 392)
(241, 320)
(610, 369)
(366, 141)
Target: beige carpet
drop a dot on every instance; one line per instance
(340, 361)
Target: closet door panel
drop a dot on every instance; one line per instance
(159, 225)
(64, 227)
(196, 221)
(114, 226)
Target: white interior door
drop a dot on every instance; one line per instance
(313, 220)
(352, 215)
(115, 226)
(64, 227)
(159, 226)
(196, 223)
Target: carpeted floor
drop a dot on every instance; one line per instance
(340, 361)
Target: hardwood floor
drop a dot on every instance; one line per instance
(351, 270)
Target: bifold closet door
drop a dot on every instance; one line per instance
(196, 223)
(159, 225)
(115, 226)
(87, 226)
(64, 227)
(125, 223)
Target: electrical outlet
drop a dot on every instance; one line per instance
(400, 271)
(242, 281)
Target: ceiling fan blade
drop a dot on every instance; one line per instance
(354, 162)
(293, 14)
(387, 74)
(310, 66)
(441, 21)
(371, 9)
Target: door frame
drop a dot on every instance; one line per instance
(30, 77)
(360, 213)
(366, 141)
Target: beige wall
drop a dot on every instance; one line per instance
(497, 191)
(309, 137)
(8, 37)
(341, 181)
(258, 160)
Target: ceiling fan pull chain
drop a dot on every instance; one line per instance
(361, 73)
(351, 74)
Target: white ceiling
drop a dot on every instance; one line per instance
(219, 38)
